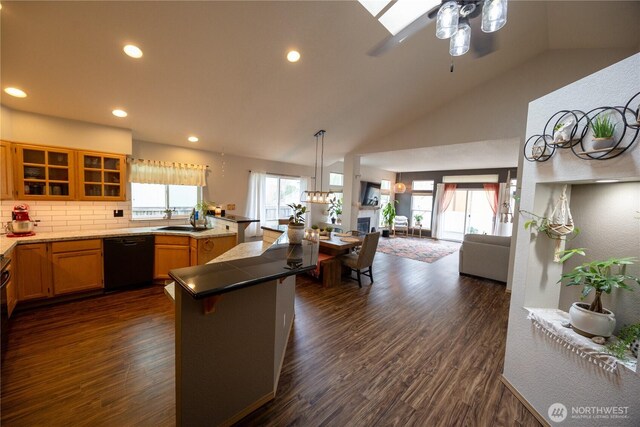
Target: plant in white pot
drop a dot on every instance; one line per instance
(603, 129)
(602, 277)
(295, 229)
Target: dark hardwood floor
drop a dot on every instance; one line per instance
(420, 347)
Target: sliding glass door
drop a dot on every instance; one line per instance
(469, 212)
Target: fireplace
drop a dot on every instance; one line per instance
(364, 224)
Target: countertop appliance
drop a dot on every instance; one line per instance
(128, 261)
(21, 224)
(5, 275)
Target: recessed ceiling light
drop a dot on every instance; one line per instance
(133, 51)
(193, 139)
(14, 91)
(606, 181)
(293, 56)
(119, 113)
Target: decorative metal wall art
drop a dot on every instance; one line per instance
(599, 134)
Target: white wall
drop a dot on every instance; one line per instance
(20, 126)
(496, 109)
(542, 371)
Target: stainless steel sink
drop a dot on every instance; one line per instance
(184, 228)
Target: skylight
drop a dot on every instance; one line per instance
(401, 14)
(374, 6)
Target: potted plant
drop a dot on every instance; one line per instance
(418, 219)
(328, 229)
(628, 338)
(388, 215)
(168, 213)
(295, 229)
(600, 276)
(335, 209)
(603, 129)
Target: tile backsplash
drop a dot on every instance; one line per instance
(76, 215)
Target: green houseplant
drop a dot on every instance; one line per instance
(295, 229)
(388, 215)
(628, 338)
(335, 209)
(603, 128)
(418, 219)
(601, 277)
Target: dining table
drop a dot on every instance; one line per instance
(332, 247)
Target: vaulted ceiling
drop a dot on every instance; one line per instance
(218, 69)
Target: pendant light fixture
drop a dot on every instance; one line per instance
(399, 187)
(453, 21)
(315, 196)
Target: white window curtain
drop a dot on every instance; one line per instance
(444, 196)
(256, 201)
(167, 173)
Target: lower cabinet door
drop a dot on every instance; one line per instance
(32, 271)
(168, 257)
(76, 271)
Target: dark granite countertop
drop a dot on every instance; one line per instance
(234, 218)
(280, 260)
(274, 226)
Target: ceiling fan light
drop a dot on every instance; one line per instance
(447, 21)
(461, 40)
(494, 15)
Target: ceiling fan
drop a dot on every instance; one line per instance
(453, 20)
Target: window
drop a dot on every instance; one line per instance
(422, 186)
(281, 191)
(336, 179)
(385, 185)
(421, 204)
(151, 200)
(384, 200)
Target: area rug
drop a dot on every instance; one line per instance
(425, 250)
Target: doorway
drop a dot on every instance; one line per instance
(469, 212)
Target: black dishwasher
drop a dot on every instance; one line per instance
(128, 261)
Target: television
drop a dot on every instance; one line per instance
(369, 193)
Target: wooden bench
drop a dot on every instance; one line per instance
(329, 269)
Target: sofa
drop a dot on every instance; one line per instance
(485, 256)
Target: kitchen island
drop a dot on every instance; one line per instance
(233, 318)
(236, 223)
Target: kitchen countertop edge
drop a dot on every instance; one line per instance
(8, 243)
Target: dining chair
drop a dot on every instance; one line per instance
(364, 259)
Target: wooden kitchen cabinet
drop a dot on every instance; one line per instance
(209, 248)
(44, 173)
(12, 294)
(101, 176)
(33, 271)
(76, 266)
(170, 252)
(6, 168)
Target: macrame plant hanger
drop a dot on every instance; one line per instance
(505, 210)
(561, 222)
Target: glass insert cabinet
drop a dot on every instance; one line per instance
(48, 173)
(101, 176)
(45, 173)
